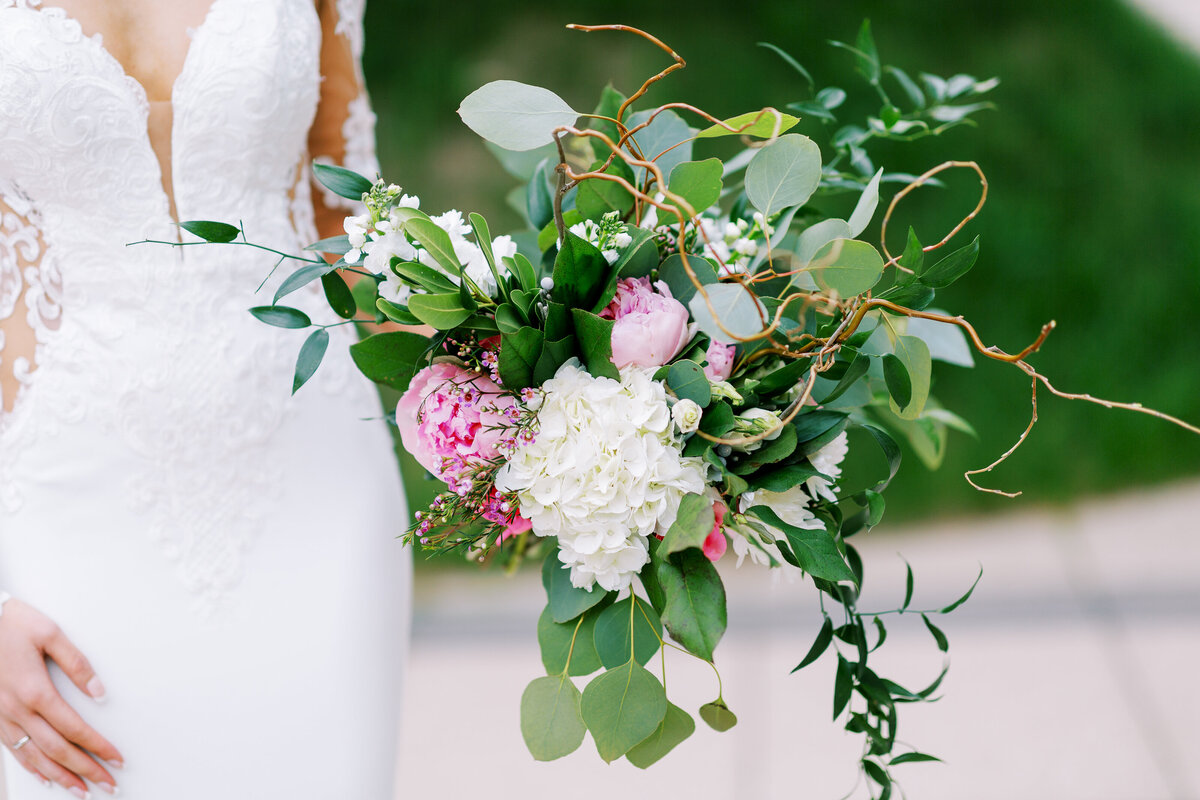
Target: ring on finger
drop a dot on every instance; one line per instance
(24, 740)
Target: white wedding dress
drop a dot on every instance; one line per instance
(224, 553)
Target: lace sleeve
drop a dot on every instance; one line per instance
(343, 132)
(28, 296)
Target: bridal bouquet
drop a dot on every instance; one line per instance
(674, 362)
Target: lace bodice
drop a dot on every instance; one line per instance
(150, 347)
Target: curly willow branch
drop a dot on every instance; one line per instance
(855, 308)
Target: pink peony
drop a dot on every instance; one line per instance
(448, 420)
(714, 544)
(650, 327)
(720, 361)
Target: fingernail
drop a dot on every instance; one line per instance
(80, 793)
(116, 764)
(108, 787)
(46, 782)
(96, 689)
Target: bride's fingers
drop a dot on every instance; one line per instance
(66, 755)
(67, 722)
(72, 662)
(12, 736)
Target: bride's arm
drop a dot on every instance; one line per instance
(343, 132)
(45, 734)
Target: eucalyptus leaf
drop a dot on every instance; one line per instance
(568, 647)
(516, 116)
(688, 381)
(664, 141)
(698, 183)
(734, 308)
(815, 237)
(551, 718)
(913, 353)
(718, 716)
(566, 601)
(693, 522)
(677, 726)
(674, 273)
(629, 629)
(622, 707)
(848, 267)
(302, 277)
(784, 173)
(898, 382)
(868, 201)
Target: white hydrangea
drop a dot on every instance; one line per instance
(604, 473)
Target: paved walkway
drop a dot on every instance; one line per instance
(1074, 671)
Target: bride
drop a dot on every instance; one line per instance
(204, 595)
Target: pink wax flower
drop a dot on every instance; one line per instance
(499, 511)
(720, 361)
(448, 418)
(714, 543)
(650, 327)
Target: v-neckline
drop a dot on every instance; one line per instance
(169, 196)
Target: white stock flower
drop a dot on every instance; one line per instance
(791, 505)
(382, 250)
(356, 232)
(686, 414)
(604, 473)
(748, 542)
(828, 461)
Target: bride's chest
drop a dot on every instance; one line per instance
(249, 81)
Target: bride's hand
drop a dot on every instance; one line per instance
(60, 744)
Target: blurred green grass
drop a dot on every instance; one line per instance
(1092, 156)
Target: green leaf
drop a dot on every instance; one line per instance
(915, 95)
(898, 382)
(734, 309)
(784, 173)
(772, 450)
(666, 140)
(693, 522)
(554, 355)
(527, 276)
(579, 272)
(813, 425)
(442, 311)
(868, 201)
(943, 643)
(698, 183)
(311, 354)
(599, 196)
(340, 298)
(622, 707)
(819, 646)
(341, 181)
(335, 245)
(891, 451)
(433, 281)
(780, 479)
(281, 316)
(398, 314)
(676, 727)
(551, 718)
(539, 202)
(673, 272)
(867, 57)
(908, 758)
(946, 341)
(483, 238)
(814, 238)
(688, 381)
(965, 597)
(718, 419)
(390, 358)
(842, 684)
(629, 629)
(215, 232)
(566, 601)
(301, 277)
(718, 716)
(952, 267)
(916, 296)
(876, 772)
(913, 353)
(509, 319)
(791, 61)
(435, 241)
(594, 336)
(638, 259)
(908, 586)
(519, 354)
(516, 116)
(695, 602)
(914, 254)
(571, 640)
(847, 266)
(858, 368)
(753, 123)
(816, 550)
